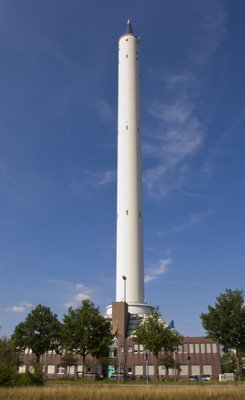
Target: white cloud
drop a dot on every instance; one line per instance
(79, 286)
(20, 308)
(78, 298)
(154, 271)
(88, 181)
(16, 309)
(25, 304)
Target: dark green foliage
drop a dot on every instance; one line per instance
(225, 322)
(40, 332)
(155, 335)
(7, 362)
(84, 331)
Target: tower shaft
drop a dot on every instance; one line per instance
(130, 263)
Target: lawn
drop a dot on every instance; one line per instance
(112, 392)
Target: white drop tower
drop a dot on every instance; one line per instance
(130, 259)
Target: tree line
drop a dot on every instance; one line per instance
(85, 331)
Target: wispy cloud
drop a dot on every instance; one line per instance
(153, 271)
(105, 110)
(89, 181)
(179, 116)
(192, 220)
(22, 306)
(211, 32)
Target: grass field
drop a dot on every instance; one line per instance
(71, 392)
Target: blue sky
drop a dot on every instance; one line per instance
(58, 144)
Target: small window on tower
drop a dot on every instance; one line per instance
(126, 212)
(126, 40)
(139, 214)
(136, 58)
(126, 56)
(138, 129)
(127, 127)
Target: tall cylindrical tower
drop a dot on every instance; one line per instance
(130, 262)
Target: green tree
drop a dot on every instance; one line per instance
(156, 336)
(85, 331)
(225, 322)
(8, 362)
(40, 332)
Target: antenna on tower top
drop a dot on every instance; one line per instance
(129, 27)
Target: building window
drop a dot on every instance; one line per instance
(126, 56)
(71, 370)
(60, 370)
(196, 348)
(136, 348)
(180, 349)
(138, 369)
(22, 369)
(80, 368)
(141, 349)
(139, 214)
(51, 369)
(130, 349)
(195, 369)
(126, 127)
(183, 370)
(203, 348)
(214, 346)
(191, 348)
(122, 349)
(185, 348)
(208, 345)
(161, 370)
(150, 369)
(130, 371)
(171, 371)
(126, 212)
(207, 369)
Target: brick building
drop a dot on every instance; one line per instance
(196, 355)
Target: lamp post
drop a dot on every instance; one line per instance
(125, 340)
(124, 287)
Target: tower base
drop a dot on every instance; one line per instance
(134, 308)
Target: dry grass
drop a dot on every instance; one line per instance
(123, 393)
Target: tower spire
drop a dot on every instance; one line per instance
(129, 27)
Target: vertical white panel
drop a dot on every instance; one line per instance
(214, 346)
(191, 348)
(161, 370)
(151, 369)
(207, 369)
(208, 345)
(196, 348)
(195, 369)
(51, 369)
(184, 370)
(138, 370)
